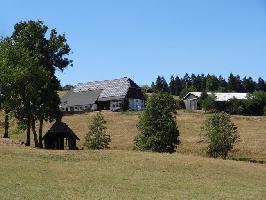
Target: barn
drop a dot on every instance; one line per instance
(191, 99)
(114, 95)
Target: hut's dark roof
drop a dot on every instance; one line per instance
(60, 127)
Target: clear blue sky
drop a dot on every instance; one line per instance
(146, 38)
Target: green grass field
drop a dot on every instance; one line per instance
(122, 173)
(117, 174)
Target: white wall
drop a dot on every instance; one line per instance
(136, 104)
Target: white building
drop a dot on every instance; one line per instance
(115, 95)
(191, 99)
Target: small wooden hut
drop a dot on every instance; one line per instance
(60, 136)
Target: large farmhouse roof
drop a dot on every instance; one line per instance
(88, 97)
(221, 96)
(116, 88)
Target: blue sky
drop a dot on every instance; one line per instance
(141, 39)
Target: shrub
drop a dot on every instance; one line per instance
(221, 134)
(97, 138)
(255, 103)
(208, 103)
(157, 126)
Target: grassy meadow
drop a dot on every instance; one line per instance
(122, 128)
(122, 173)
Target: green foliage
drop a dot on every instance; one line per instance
(157, 126)
(28, 61)
(185, 91)
(221, 134)
(212, 83)
(161, 85)
(208, 103)
(97, 137)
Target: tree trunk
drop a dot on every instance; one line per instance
(40, 133)
(28, 135)
(34, 134)
(6, 124)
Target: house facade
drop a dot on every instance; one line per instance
(114, 95)
(191, 99)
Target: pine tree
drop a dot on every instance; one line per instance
(172, 86)
(97, 137)
(178, 86)
(261, 85)
(248, 85)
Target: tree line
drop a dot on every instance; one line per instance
(180, 86)
(28, 84)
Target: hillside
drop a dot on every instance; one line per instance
(116, 174)
(122, 127)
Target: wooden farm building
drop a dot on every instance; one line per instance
(114, 95)
(60, 136)
(191, 99)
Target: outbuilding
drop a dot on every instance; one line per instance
(60, 136)
(191, 99)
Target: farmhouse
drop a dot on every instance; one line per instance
(115, 95)
(191, 99)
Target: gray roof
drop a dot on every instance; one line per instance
(111, 89)
(222, 96)
(88, 97)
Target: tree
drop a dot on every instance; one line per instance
(187, 81)
(161, 85)
(221, 135)
(261, 86)
(157, 125)
(208, 102)
(212, 83)
(202, 98)
(178, 86)
(97, 137)
(222, 84)
(172, 86)
(255, 104)
(33, 83)
(249, 85)
(234, 83)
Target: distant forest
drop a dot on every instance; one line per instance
(180, 86)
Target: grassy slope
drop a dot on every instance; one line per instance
(116, 174)
(122, 127)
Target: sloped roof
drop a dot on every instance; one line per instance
(88, 97)
(221, 96)
(110, 88)
(60, 127)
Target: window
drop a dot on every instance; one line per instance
(76, 107)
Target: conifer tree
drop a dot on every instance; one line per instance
(97, 137)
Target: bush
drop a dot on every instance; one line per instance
(208, 103)
(221, 134)
(157, 126)
(97, 138)
(255, 103)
